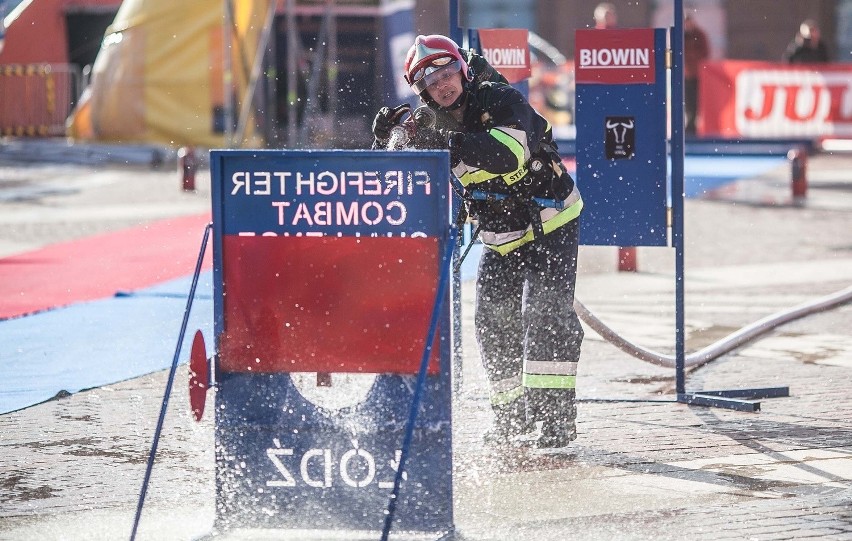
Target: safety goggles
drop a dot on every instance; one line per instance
(437, 70)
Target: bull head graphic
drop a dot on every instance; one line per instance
(619, 129)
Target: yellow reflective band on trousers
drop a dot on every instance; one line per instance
(501, 398)
(549, 381)
(562, 218)
(506, 390)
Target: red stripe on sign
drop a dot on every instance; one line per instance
(99, 266)
(328, 304)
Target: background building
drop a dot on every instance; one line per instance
(752, 29)
(347, 56)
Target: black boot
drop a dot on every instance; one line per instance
(556, 434)
(510, 421)
(559, 426)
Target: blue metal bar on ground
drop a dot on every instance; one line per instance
(171, 379)
(421, 379)
(749, 394)
(698, 399)
(735, 399)
(677, 146)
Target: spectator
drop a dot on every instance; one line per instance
(605, 16)
(696, 49)
(807, 47)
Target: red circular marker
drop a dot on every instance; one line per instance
(199, 376)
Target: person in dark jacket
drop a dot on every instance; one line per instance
(696, 49)
(807, 46)
(527, 208)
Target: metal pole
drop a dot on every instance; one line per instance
(456, 32)
(272, 75)
(165, 404)
(332, 64)
(292, 73)
(677, 147)
(228, 78)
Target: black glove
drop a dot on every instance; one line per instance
(455, 139)
(429, 139)
(386, 119)
(424, 117)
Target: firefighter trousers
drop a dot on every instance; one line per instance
(529, 335)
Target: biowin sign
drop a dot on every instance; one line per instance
(507, 49)
(615, 56)
(767, 100)
(621, 135)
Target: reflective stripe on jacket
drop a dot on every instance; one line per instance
(507, 149)
(551, 219)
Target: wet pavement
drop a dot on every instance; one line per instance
(643, 466)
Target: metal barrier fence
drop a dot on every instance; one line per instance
(36, 99)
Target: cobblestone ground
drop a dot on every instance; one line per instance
(643, 466)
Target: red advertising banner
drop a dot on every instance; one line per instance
(770, 100)
(615, 57)
(508, 50)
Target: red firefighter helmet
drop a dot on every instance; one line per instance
(430, 58)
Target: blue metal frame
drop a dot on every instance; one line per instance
(736, 399)
(741, 399)
(625, 198)
(677, 194)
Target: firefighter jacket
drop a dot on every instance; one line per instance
(505, 158)
(480, 68)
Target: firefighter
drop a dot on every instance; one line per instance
(527, 208)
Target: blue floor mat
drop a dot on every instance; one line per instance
(706, 173)
(96, 343)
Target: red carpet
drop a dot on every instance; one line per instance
(99, 266)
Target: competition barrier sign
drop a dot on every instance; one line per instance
(326, 266)
(769, 100)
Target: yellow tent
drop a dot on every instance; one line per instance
(160, 77)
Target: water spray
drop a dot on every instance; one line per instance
(402, 134)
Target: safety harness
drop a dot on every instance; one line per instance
(533, 205)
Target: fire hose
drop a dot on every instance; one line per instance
(725, 345)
